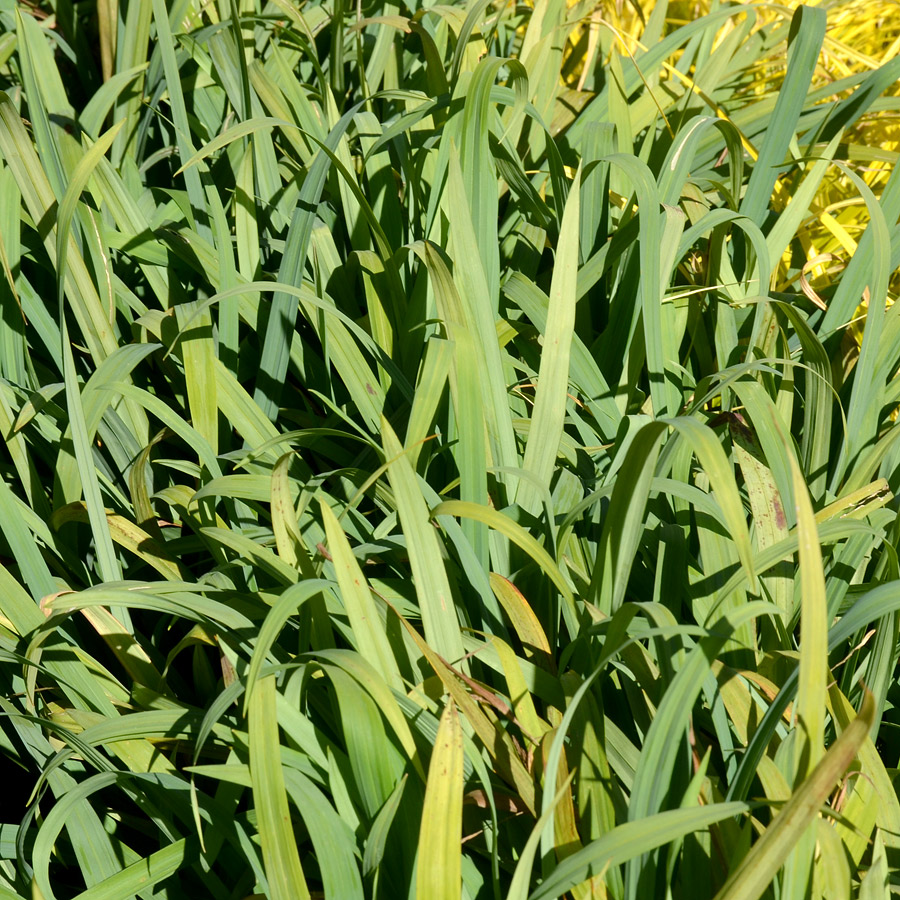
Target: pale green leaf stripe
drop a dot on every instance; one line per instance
(757, 869)
(131, 51)
(439, 860)
(108, 562)
(200, 367)
(19, 154)
(367, 625)
(519, 536)
(807, 33)
(869, 378)
(712, 458)
(175, 723)
(197, 350)
(118, 366)
(631, 840)
(876, 883)
(518, 887)
(127, 535)
(285, 606)
(666, 735)
(194, 607)
(815, 445)
(97, 108)
(584, 373)
(476, 160)
(45, 95)
(381, 826)
(279, 847)
(236, 132)
(73, 811)
(888, 813)
(468, 392)
(288, 538)
(240, 411)
(873, 605)
(768, 517)
(813, 669)
(798, 209)
(332, 838)
(469, 411)
(551, 396)
(623, 524)
(250, 550)
(239, 487)
(76, 185)
(282, 316)
(470, 279)
(307, 297)
(355, 200)
(676, 170)
(31, 564)
(866, 261)
(429, 390)
(141, 875)
(386, 701)
(666, 398)
(436, 605)
(814, 675)
(166, 47)
(170, 418)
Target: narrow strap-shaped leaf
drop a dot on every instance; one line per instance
(479, 318)
(287, 605)
(620, 537)
(110, 569)
(279, 847)
(495, 739)
(805, 41)
(145, 873)
(665, 395)
(757, 869)
(630, 840)
(873, 605)
(668, 729)
(439, 616)
(439, 859)
(365, 620)
(518, 535)
(551, 396)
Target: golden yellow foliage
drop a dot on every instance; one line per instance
(862, 35)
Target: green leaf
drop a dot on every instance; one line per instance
(442, 630)
(630, 840)
(757, 869)
(365, 620)
(551, 396)
(438, 862)
(279, 848)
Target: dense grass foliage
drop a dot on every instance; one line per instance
(443, 455)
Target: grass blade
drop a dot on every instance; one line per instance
(551, 395)
(439, 860)
(279, 848)
(757, 869)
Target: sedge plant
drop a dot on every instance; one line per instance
(433, 465)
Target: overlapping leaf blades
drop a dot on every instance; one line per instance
(414, 463)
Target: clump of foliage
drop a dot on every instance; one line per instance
(434, 460)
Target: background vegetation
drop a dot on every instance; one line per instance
(449, 450)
